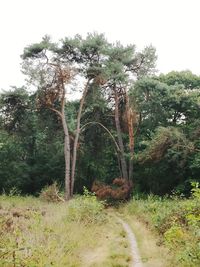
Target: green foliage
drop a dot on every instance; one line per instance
(176, 220)
(196, 190)
(174, 236)
(164, 139)
(168, 132)
(86, 209)
(35, 49)
(166, 126)
(98, 159)
(185, 78)
(14, 192)
(29, 157)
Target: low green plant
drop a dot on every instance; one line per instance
(86, 209)
(195, 190)
(174, 236)
(14, 191)
(177, 220)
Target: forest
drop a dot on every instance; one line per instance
(96, 123)
(130, 122)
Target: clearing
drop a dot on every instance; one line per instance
(37, 234)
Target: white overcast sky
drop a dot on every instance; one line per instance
(172, 26)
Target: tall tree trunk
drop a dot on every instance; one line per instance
(130, 176)
(67, 157)
(74, 158)
(67, 162)
(66, 149)
(130, 120)
(120, 140)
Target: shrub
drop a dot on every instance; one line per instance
(86, 209)
(174, 236)
(177, 221)
(119, 190)
(51, 194)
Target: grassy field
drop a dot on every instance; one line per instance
(34, 233)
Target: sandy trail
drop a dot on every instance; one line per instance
(136, 262)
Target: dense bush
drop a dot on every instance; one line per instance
(119, 190)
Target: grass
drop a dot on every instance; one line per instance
(168, 230)
(113, 249)
(80, 233)
(152, 253)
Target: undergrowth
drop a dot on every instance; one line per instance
(36, 233)
(86, 209)
(176, 220)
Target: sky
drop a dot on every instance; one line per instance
(171, 26)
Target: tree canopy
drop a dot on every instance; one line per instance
(129, 122)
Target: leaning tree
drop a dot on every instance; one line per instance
(79, 63)
(123, 66)
(55, 69)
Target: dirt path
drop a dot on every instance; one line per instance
(136, 262)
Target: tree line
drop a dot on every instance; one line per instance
(129, 122)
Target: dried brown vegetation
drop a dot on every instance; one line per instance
(51, 194)
(119, 190)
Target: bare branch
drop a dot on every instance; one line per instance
(57, 111)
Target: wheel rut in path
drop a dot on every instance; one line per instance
(136, 262)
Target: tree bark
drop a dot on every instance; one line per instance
(67, 159)
(66, 153)
(120, 140)
(66, 149)
(130, 120)
(74, 157)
